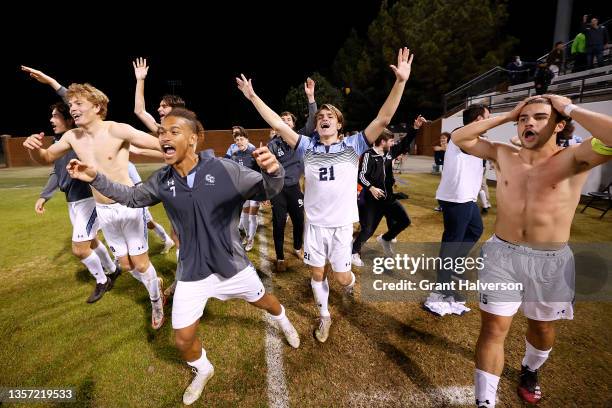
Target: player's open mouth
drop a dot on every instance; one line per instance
(168, 150)
(529, 135)
(76, 116)
(325, 125)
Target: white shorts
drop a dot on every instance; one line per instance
(547, 279)
(250, 203)
(84, 219)
(147, 215)
(124, 228)
(328, 243)
(190, 297)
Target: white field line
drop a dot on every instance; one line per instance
(278, 395)
(436, 397)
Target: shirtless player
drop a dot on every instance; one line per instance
(538, 189)
(107, 144)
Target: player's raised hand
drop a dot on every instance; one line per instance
(404, 65)
(140, 68)
(246, 86)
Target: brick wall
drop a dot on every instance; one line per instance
(219, 140)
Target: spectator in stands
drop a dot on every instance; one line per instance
(566, 137)
(596, 40)
(579, 52)
(555, 58)
(542, 78)
(517, 70)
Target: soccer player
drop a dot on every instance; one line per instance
(107, 144)
(243, 155)
(82, 211)
(203, 196)
(330, 168)
(538, 189)
(291, 199)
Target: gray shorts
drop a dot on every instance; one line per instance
(514, 276)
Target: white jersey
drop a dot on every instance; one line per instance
(330, 196)
(461, 176)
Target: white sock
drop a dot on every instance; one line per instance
(252, 226)
(160, 231)
(105, 259)
(321, 294)
(483, 199)
(486, 388)
(149, 280)
(244, 221)
(137, 275)
(177, 255)
(534, 358)
(281, 319)
(201, 362)
(93, 264)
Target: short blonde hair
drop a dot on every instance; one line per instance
(90, 93)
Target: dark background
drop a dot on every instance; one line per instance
(276, 43)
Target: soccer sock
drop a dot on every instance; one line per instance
(149, 280)
(201, 362)
(252, 226)
(105, 259)
(282, 319)
(486, 388)
(321, 293)
(93, 264)
(483, 199)
(160, 231)
(534, 358)
(244, 222)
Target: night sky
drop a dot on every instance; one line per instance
(204, 50)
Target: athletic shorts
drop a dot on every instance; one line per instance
(147, 215)
(328, 243)
(547, 281)
(190, 297)
(124, 228)
(250, 203)
(84, 219)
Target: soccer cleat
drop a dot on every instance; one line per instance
(291, 335)
(528, 388)
(100, 290)
(322, 332)
(169, 292)
(113, 276)
(438, 208)
(249, 245)
(168, 243)
(194, 390)
(356, 260)
(299, 253)
(386, 246)
(485, 210)
(157, 307)
(281, 266)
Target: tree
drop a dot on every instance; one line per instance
(453, 41)
(325, 92)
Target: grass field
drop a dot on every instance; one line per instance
(378, 355)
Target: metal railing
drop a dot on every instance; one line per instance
(498, 78)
